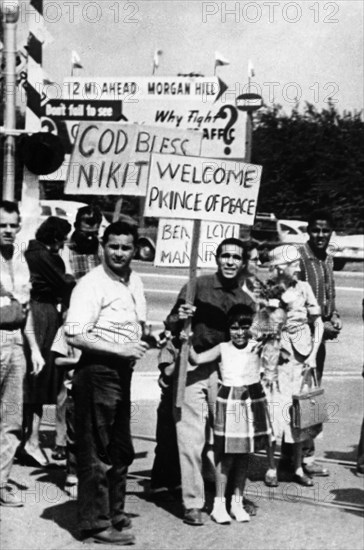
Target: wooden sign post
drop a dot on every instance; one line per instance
(117, 210)
(190, 297)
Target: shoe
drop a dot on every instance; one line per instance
(237, 512)
(109, 536)
(219, 512)
(59, 453)
(71, 480)
(71, 486)
(123, 523)
(9, 498)
(193, 516)
(222, 518)
(271, 479)
(360, 469)
(33, 457)
(303, 480)
(314, 469)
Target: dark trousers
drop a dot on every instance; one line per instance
(309, 445)
(166, 471)
(70, 435)
(360, 457)
(104, 448)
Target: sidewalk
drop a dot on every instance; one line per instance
(327, 516)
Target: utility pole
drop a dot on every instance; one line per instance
(10, 16)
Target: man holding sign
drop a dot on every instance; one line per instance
(215, 295)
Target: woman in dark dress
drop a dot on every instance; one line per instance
(50, 294)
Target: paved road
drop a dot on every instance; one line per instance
(328, 516)
(162, 286)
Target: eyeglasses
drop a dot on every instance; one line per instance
(11, 225)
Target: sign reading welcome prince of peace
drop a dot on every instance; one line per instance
(202, 189)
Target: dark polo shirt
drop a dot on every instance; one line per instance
(213, 300)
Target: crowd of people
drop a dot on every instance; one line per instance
(73, 325)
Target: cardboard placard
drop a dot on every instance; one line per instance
(202, 189)
(111, 158)
(174, 240)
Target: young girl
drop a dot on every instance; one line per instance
(242, 423)
(299, 345)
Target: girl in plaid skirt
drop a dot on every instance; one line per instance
(242, 424)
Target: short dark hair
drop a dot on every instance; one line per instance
(321, 214)
(236, 242)
(93, 212)
(10, 207)
(120, 228)
(53, 229)
(240, 313)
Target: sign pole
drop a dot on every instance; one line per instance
(249, 130)
(117, 210)
(249, 137)
(190, 297)
(10, 16)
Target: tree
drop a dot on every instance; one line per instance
(311, 159)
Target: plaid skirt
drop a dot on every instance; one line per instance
(242, 421)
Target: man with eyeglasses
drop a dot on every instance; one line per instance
(15, 280)
(215, 295)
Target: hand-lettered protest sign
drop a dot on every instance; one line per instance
(110, 158)
(202, 189)
(174, 240)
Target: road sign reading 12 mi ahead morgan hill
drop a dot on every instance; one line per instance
(188, 103)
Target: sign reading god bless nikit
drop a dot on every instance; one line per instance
(111, 158)
(202, 189)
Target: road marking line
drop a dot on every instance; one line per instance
(333, 374)
(154, 291)
(166, 276)
(349, 288)
(161, 291)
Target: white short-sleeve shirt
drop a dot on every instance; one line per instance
(102, 302)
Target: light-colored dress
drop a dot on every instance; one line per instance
(242, 423)
(300, 304)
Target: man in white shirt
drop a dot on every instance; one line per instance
(15, 280)
(105, 320)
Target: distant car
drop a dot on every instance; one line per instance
(147, 243)
(346, 248)
(67, 210)
(292, 231)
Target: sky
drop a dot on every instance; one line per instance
(306, 50)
